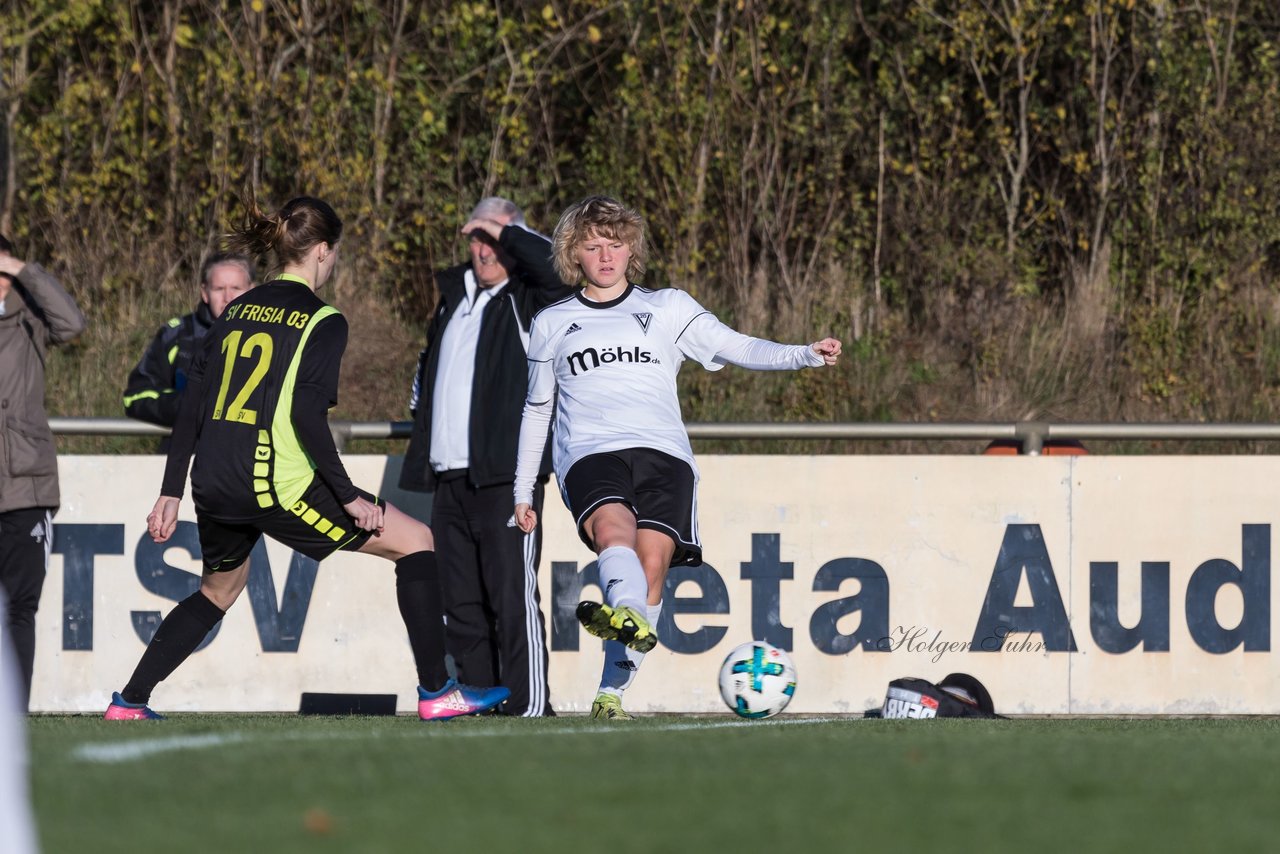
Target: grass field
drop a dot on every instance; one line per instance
(241, 783)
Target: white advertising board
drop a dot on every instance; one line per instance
(1067, 585)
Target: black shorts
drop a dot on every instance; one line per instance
(315, 526)
(659, 488)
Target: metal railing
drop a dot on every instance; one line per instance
(1031, 435)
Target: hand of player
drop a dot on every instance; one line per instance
(526, 519)
(367, 515)
(163, 518)
(828, 349)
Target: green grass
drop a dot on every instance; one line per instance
(222, 783)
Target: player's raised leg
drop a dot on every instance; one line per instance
(621, 617)
(622, 663)
(409, 544)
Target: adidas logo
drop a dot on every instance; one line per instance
(626, 665)
(452, 700)
(573, 327)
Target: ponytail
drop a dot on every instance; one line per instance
(300, 224)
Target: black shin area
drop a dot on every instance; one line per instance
(174, 641)
(422, 609)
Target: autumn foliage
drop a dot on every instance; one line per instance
(1008, 208)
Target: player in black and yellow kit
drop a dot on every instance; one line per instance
(255, 414)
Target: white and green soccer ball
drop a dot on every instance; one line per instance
(757, 680)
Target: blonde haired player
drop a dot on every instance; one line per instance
(605, 361)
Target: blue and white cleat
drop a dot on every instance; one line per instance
(455, 700)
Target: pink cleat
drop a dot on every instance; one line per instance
(119, 710)
(456, 699)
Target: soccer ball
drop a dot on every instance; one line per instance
(757, 680)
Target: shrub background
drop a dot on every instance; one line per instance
(1008, 209)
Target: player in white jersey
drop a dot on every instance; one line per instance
(605, 361)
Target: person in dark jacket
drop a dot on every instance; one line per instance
(155, 385)
(35, 311)
(467, 398)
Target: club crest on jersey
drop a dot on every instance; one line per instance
(643, 319)
(573, 327)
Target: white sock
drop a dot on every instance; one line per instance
(652, 613)
(620, 665)
(622, 578)
(621, 662)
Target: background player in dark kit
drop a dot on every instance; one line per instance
(155, 385)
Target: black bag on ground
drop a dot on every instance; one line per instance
(959, 695)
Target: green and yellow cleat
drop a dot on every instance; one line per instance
(608, 707)
(621, 624)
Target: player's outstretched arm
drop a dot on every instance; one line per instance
(828, 349)
(163, 518)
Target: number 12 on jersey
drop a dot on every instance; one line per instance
(232, 351)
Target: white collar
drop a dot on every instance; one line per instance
(474, 291)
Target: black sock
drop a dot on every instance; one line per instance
(175, 640)
(422, 609)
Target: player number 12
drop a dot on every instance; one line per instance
(231, 349)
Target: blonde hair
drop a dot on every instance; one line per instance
(597, 216)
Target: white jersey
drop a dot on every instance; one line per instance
(610, 369)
